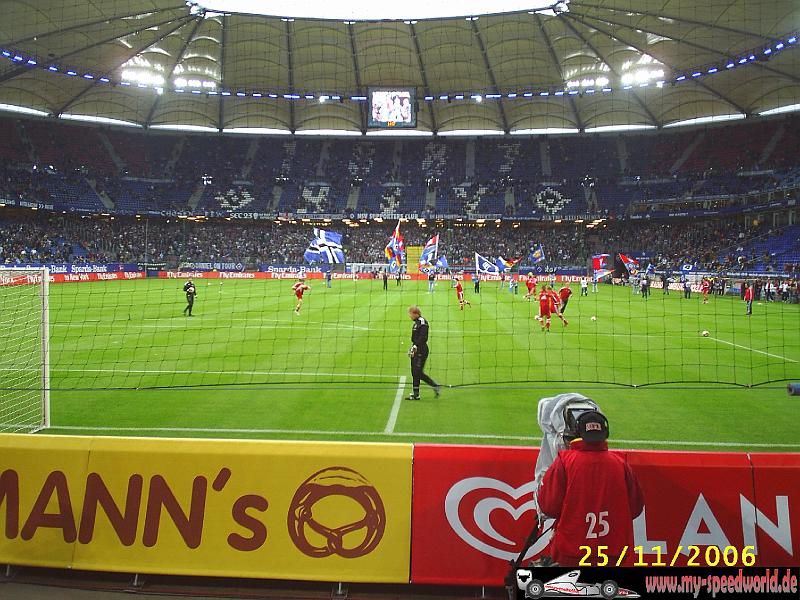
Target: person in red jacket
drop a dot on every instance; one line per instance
(593, 495)
(749, 294)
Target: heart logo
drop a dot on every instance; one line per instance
(495, 494)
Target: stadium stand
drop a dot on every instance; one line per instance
(86, 168)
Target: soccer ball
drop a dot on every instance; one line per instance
(705, 333)
(594, 318)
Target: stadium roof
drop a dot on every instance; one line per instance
(583, 64)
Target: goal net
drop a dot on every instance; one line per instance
(24, 359)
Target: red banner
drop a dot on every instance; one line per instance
(691, 499)
(84, 277)
(774, 522)
(473, 508)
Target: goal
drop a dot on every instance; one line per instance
(24, 358)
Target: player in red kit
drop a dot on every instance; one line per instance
(705, 288)
(564, 293)
(299, 289)
(555, 304)
(460, 294)
(545, 308)
(530, 283)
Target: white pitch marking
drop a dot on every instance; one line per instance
(398, 398)
(186, 372)
(752, 349)
(201, 327)
(471, 436)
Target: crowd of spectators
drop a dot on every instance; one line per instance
(52, 237)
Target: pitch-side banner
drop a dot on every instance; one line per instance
(285, 510)
(473, 508)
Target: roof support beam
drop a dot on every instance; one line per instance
(223, 37)
(292, 125)
(644, 13)
(362, 108)
(20, 70)
(85, 25)
(426, 88)
(578, 121)
(597, 53)
(700, 83)
(724, 55)
(128, 57)
(178, 59)
(489, 71)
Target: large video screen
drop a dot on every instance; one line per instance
(392, 107)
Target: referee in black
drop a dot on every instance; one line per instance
(191, 292)
(419, 353)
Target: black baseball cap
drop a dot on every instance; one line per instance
(592, 426)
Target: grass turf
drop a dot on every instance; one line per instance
(126, 362)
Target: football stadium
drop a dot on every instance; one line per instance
(263, 257)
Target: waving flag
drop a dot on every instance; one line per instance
(630, 263)
(442, 262)
(429, 254)
(600, 262)
(503, 265)
(687, 268)
(536, 255)
(484, 265)
(326, 247)
(312, 252)
(396, 249)
(649, 270)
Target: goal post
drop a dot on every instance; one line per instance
(25, 342)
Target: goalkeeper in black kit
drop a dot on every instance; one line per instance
(191, 292)
(419, 353)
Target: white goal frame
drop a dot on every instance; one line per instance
(44, 297)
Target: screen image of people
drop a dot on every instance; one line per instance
(392, 106)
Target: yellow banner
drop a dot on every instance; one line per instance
(283, 510)
(413, 254)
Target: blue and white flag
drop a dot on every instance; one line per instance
(484, 265)
(312, 252)
(536, 255)
(326, 247)
(442, 263)
(688, 267)
(429, 254)
(649, 269)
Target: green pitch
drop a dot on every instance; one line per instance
(125, 361)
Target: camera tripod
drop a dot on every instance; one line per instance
(511, 577)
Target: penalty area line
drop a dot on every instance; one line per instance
(398, 398)
(752, 349)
